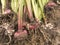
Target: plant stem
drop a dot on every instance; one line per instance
(19, 23)
(30, 14)
(3, 5)
(20, 14)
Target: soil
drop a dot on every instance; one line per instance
(42, 35)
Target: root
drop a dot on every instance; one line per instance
(9, 40)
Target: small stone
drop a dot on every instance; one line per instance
(49, 25)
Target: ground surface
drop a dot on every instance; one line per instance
(42, 35)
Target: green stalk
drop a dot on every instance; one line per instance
(36, 10)
(14, 5)
(3, 5)
(42, 4)
(20, 14)
(17, 7)
(28, 2)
